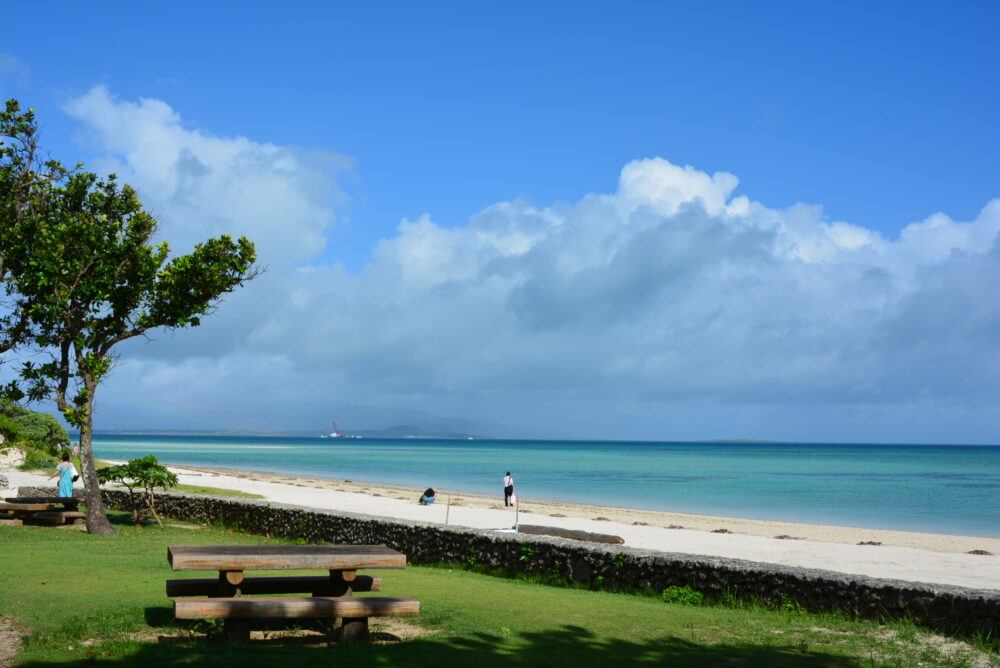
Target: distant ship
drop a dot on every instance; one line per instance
(336, 433)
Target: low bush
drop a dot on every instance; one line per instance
(683, 596)
(35, 460)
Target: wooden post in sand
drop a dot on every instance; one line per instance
(447, 511)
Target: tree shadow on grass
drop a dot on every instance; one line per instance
(563, 646)
(159, 617)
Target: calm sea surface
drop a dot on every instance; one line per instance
(943, 489)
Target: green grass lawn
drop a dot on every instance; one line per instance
(214, 491)
(98, 600)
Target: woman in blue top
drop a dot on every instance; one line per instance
(66, 473)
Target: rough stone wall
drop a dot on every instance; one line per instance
(614, 568)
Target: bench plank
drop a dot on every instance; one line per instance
(294, 607)
(283, 557)
(64, 514)
(317, 585)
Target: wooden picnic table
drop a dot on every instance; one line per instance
(227, 595)
(17, 510)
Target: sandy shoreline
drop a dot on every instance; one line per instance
(904, 555)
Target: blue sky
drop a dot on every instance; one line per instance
(639, 220)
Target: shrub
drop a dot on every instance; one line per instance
(34, 460)
(682, 595)
(140, 476)
(18, 424)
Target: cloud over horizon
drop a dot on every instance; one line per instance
(672, 298)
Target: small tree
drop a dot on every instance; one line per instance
(140, 476)
(84, 276)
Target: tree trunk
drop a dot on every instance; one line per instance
(97, 516)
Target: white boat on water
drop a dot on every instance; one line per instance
(336, 433)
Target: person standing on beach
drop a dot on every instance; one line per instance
(508, 488)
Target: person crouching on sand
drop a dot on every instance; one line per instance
(428, 497)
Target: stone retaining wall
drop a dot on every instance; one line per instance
(614, 568)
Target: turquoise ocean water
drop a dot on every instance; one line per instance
(942, 489)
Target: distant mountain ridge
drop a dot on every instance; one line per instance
(399, 431)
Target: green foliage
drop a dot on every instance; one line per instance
(683, 595)
(787, 605)
(473, 559)
(82, 275)
(20, 425)
(215, 491)
(620, 560)
(35, 460)
(140, 476)
(43, 428)
(527, 552)
(9, 428)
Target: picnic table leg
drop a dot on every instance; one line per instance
(233, 630)
(229, 584)
(236, 631)
(340, 585)
(340, 582)
(353, 630)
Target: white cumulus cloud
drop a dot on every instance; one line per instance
(668, 307)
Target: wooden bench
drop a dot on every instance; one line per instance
(331, 598)
(354, 611)
(58, 517)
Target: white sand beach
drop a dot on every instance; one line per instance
(901, 555)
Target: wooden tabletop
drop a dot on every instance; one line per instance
(27, 506)
(66, 500)
(282, 557)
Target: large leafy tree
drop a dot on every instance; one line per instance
(83, 275)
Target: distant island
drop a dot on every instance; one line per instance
(399, 431)
(406, 431)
